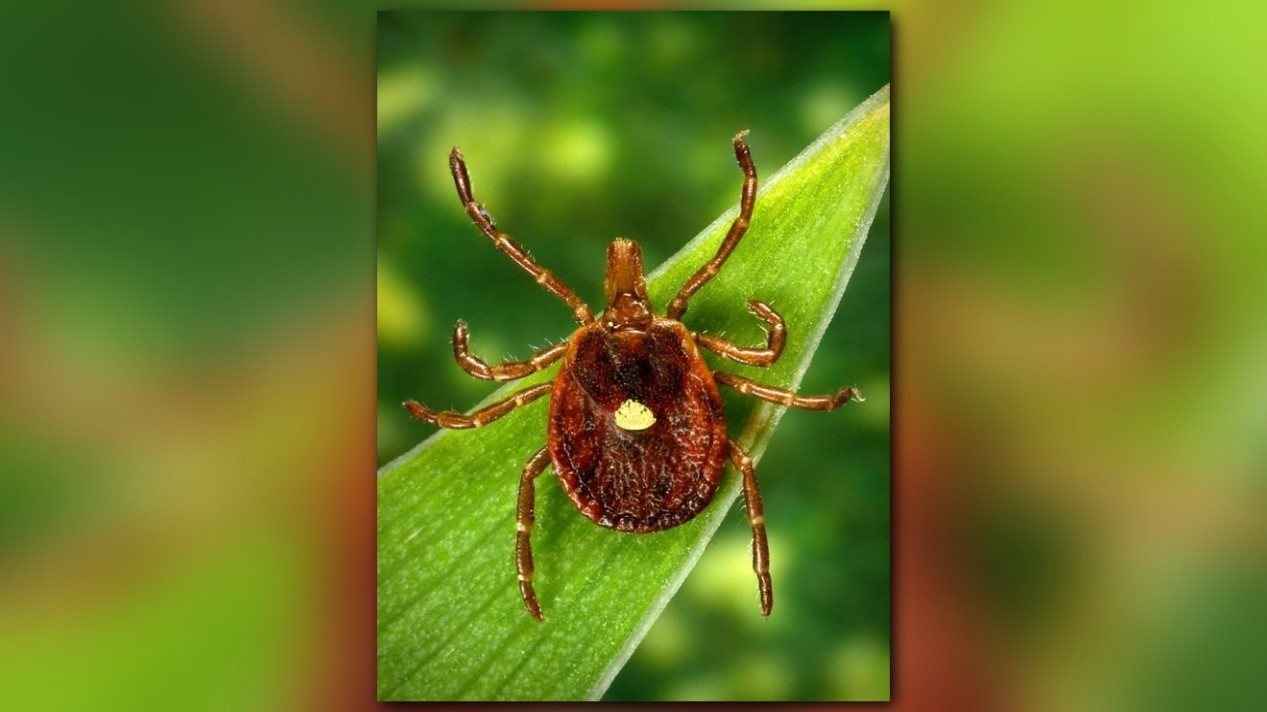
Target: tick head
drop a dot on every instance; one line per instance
(627, 304)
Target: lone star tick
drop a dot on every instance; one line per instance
(636, 431)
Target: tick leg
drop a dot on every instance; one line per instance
(457, 421)
(525, 516)
(506, 371)
(783, 396)
(509, 247)
(748, 197)
(751, 357)
(756, 519)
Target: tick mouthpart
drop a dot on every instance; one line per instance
(624, 270)
(627, 303)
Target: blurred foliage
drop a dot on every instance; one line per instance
(578, 128)
(1082, 411)
(175, 279)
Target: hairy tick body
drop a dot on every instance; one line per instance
(636, 432)
(637, 480)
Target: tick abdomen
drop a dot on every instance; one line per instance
(620, 471)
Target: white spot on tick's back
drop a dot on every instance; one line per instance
(632, 415)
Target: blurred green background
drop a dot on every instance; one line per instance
(187, 261)
(581, 127)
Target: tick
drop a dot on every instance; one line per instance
(636, 432)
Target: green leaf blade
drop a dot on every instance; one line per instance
(451, 624)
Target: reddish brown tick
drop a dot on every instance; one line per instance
(636, 433)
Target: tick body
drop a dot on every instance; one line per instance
(618, 474)
(636, 431)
